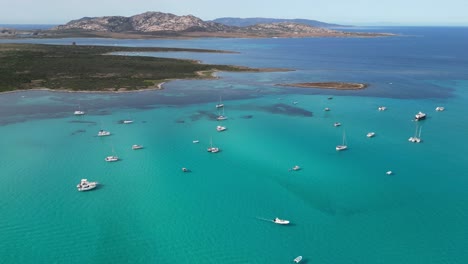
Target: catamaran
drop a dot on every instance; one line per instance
(211, 148)
(417, 136)
(420, 116)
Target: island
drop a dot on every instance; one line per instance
(328, 85)
(99, 68)
(150, 25)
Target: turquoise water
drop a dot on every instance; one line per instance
(342, 206)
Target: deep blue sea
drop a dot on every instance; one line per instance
(343, 207)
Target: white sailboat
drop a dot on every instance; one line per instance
(220, 104)
(417, 135)
(222, 116)
(344, 145)
(79, 112)
(211, 148)
(112, 158)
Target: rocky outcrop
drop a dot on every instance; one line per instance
(146, 22)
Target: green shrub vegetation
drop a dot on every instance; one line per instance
(91, 68)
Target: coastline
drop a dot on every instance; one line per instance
(328, 85)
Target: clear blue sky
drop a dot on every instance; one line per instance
(354, 12)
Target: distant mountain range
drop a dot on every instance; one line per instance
(245, 22)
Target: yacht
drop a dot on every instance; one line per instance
(221, 128)
(440, 108)
(420, 116)
(280, 221)
(370, 134)
(137, 147)
(211, 148)
(78, 112)
(337, 124)
(221, 117)
(220, 104)
(344, 145)
(298, 259)
(296, 168)
(102, 133)
(111, 158)
(382, 108)
(417, 136)
(85, 185)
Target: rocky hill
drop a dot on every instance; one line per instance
(158, 24)
(146, 22)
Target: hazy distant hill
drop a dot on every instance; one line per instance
(245, 22)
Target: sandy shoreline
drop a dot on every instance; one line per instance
(328, 85)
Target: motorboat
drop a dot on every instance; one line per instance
(127, 121)
(196, 141)
(370, 134)
(296, 168)
(111, 158)
(389, 172)
(221, 128)
(280, 221)
(85, 185)
(440, 108)
(137, 147)
(185, 169)
(326, 109)
(78, 112)
(382, 108)
(420, 116)
(102, 133)
(298, 259)
(337, 124)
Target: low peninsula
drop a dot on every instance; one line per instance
(96, 68)
(328, 85)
